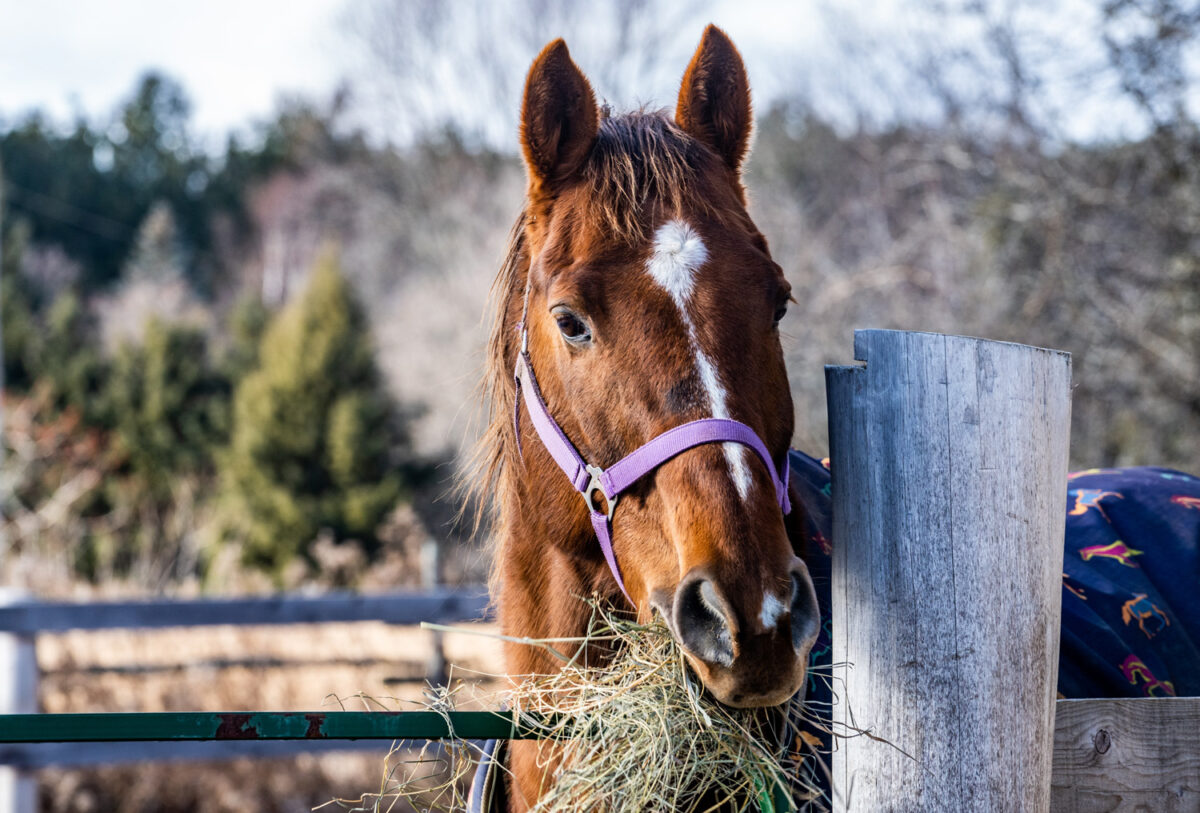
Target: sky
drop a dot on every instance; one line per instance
(236, 58)
(233, 57)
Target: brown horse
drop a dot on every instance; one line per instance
(646, 299)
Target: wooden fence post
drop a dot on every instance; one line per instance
(18, 695)
(431, 579)
(949, 463)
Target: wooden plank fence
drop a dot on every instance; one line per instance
(1130, 755)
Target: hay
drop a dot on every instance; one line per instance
(640, 734)
(636, 734)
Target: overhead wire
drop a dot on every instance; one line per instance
(68, 213)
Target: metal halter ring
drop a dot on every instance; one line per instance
(595, 485)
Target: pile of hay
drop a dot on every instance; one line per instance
(637, 734)
(640, 734)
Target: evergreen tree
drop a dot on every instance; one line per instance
(247, 322)
(169, 407)
(313, 429)
(18, 317)
(70, 363)
(20, 333)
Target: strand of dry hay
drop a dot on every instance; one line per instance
(433, 777)
(635, 734)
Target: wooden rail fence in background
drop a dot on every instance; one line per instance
(402, 608)
(21, 620)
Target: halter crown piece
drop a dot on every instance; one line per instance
(588, 479)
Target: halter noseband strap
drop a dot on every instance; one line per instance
(611, 482)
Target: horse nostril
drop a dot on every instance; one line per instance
(806, 615)
(702, 621)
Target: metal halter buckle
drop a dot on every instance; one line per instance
(595, 485)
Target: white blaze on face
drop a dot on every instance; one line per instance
(677, 255)
(772, 610)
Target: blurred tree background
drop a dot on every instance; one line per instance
(237, 368)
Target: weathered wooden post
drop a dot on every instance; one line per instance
(949, 463)
(431, 579)
(18, 695)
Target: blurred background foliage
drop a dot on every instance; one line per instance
(314, 434)
(253, 366)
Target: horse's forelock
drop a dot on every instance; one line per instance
(640, 158)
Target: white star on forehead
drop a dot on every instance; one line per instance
(678, 253)
(676, 257)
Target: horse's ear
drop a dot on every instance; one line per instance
(714, 99)
(559, 118)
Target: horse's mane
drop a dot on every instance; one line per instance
(639, 159)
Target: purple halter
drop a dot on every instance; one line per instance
(587, 479)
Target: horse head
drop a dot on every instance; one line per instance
(645, 298)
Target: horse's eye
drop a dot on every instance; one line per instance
(780, 312)
(573, 328)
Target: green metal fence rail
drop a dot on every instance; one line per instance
(259, 725)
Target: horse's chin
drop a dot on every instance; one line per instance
(756, 701)
(728, 691)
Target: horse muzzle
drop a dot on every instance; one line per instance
(747, 657)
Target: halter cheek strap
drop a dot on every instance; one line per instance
(611, 482)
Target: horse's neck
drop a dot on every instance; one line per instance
(547, 571)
